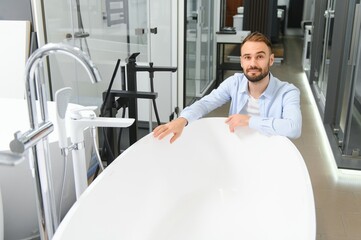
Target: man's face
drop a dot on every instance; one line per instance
(256, 60)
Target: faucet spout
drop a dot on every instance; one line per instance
(66, 49)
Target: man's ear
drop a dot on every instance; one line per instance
(271, 59)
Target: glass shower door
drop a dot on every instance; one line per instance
(199, 48)
(107, 30)
(321, 82)
(112, 28)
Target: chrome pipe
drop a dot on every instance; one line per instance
(26, 140)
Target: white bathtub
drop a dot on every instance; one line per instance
(209, 184)
(17, 183)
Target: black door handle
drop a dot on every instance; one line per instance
(154, 30)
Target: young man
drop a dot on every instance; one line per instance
(258, 99)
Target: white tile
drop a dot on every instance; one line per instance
(352, 222)
(329, 223)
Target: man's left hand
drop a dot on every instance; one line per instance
(236, 120)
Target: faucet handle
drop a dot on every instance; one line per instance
(83, 112)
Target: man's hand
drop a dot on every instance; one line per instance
(176, 127)
(236, 120)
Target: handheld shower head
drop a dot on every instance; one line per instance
(62, 97)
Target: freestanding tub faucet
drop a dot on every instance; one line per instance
(36, 137)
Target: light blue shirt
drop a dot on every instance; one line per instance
(279, 105)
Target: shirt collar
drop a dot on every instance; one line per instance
(269, 92)
(244, 85)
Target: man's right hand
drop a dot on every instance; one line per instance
(176, 127)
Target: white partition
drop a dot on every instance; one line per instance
(14, 51)
(1, 218)
(209, 184)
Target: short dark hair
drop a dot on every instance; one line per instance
(257, 37)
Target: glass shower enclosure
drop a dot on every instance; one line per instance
(320, 83)
(107, 30)
(199, 48)
(348, 118)
(336, 77)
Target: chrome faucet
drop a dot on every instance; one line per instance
(36, 137)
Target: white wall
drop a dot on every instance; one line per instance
(14, 49)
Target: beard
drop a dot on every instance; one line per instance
(256, 78)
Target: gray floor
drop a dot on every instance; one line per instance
(337, 193)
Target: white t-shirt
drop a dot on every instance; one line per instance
(252, 107)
